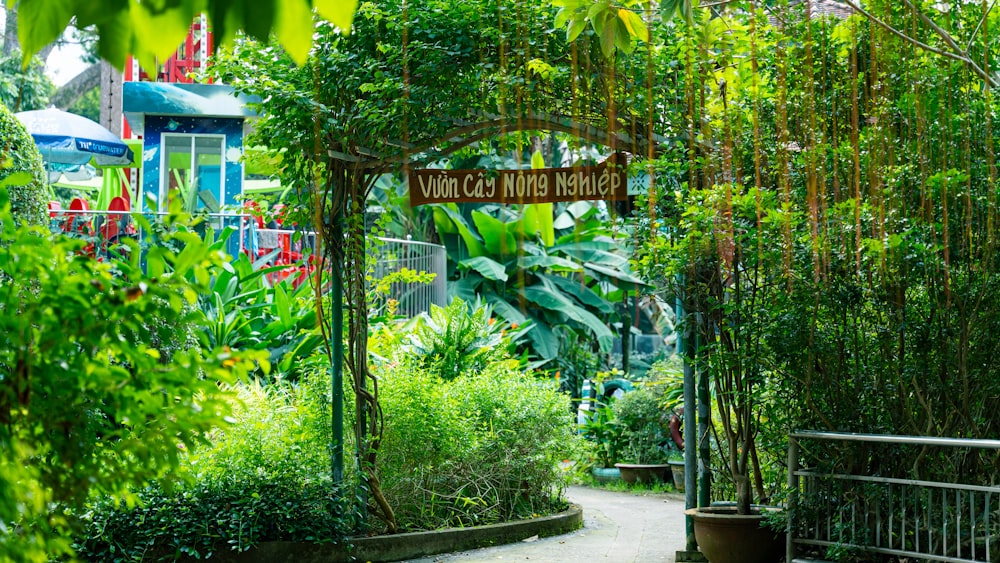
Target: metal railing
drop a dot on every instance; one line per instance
(414, 298)
(935, 519)
(103, 228)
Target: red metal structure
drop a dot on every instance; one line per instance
(191, 57)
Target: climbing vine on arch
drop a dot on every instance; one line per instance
(413, 81)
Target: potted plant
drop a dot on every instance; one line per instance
(602, 430)
(727, 286)
(676, 462)
(644, 436)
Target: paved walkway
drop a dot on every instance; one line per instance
(618, 528)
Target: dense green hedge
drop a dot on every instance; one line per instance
(264, 477)
(18, 154)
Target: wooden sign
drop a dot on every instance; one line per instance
(606, 181)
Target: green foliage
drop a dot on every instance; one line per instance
(21, 170)
(570, 283)
(616, 25)
(23, 89)
(210, 520)
(460, 339)
(479, 449)
(642, 423)
(94, 396)
(245, 311)
(149, 31)
(602, 429)
(264, 477)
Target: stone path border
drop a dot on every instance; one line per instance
(401, 547)
(600, 526)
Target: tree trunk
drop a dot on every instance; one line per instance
(69, 93)
(10, 41)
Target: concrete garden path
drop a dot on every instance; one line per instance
(618, 528)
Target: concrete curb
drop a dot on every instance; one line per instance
(412, 545)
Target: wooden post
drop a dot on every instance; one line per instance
(111, 98)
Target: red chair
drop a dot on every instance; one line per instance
(116, 220)
(77, 222)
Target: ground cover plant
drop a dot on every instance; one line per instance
(263, 477)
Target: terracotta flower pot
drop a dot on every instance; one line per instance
(644, 472)
(726, 537)
(677, 469)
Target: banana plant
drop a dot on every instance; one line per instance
(566, 271)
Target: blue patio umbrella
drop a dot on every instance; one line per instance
(66, 139)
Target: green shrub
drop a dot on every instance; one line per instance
(88, 403)
(265, 477)
(198, 522)
(460, 338)
(643, 426)
(21, 166)
(479, 449)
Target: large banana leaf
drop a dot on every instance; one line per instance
(548, 297)
(581, 292)
(568, 244)
(538, 216)
(488, 267)
(538, 223)
(498, 239)
(509, 312)
(466, 288)
(621, 280)
(544, 340)
(601, 257)
(447, 217)
(551, 262)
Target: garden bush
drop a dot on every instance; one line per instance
(266, 477)
(89, 404)
(481, 448)
(643, 426)
(21, 167)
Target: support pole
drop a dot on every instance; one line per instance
(704, 429)
(793, 494)
(685, 346)
(337, 367)
(690, 437)
(626, 336)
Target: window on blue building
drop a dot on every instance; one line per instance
(192, 170)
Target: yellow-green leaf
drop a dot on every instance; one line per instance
(623, 39)
(293, 26)
(340, 12)
(597, 11)
(563, 16)
(170, 27)
(607, 33)
(42, 22)
(537, 160)
(575, 29)
(633, 22)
